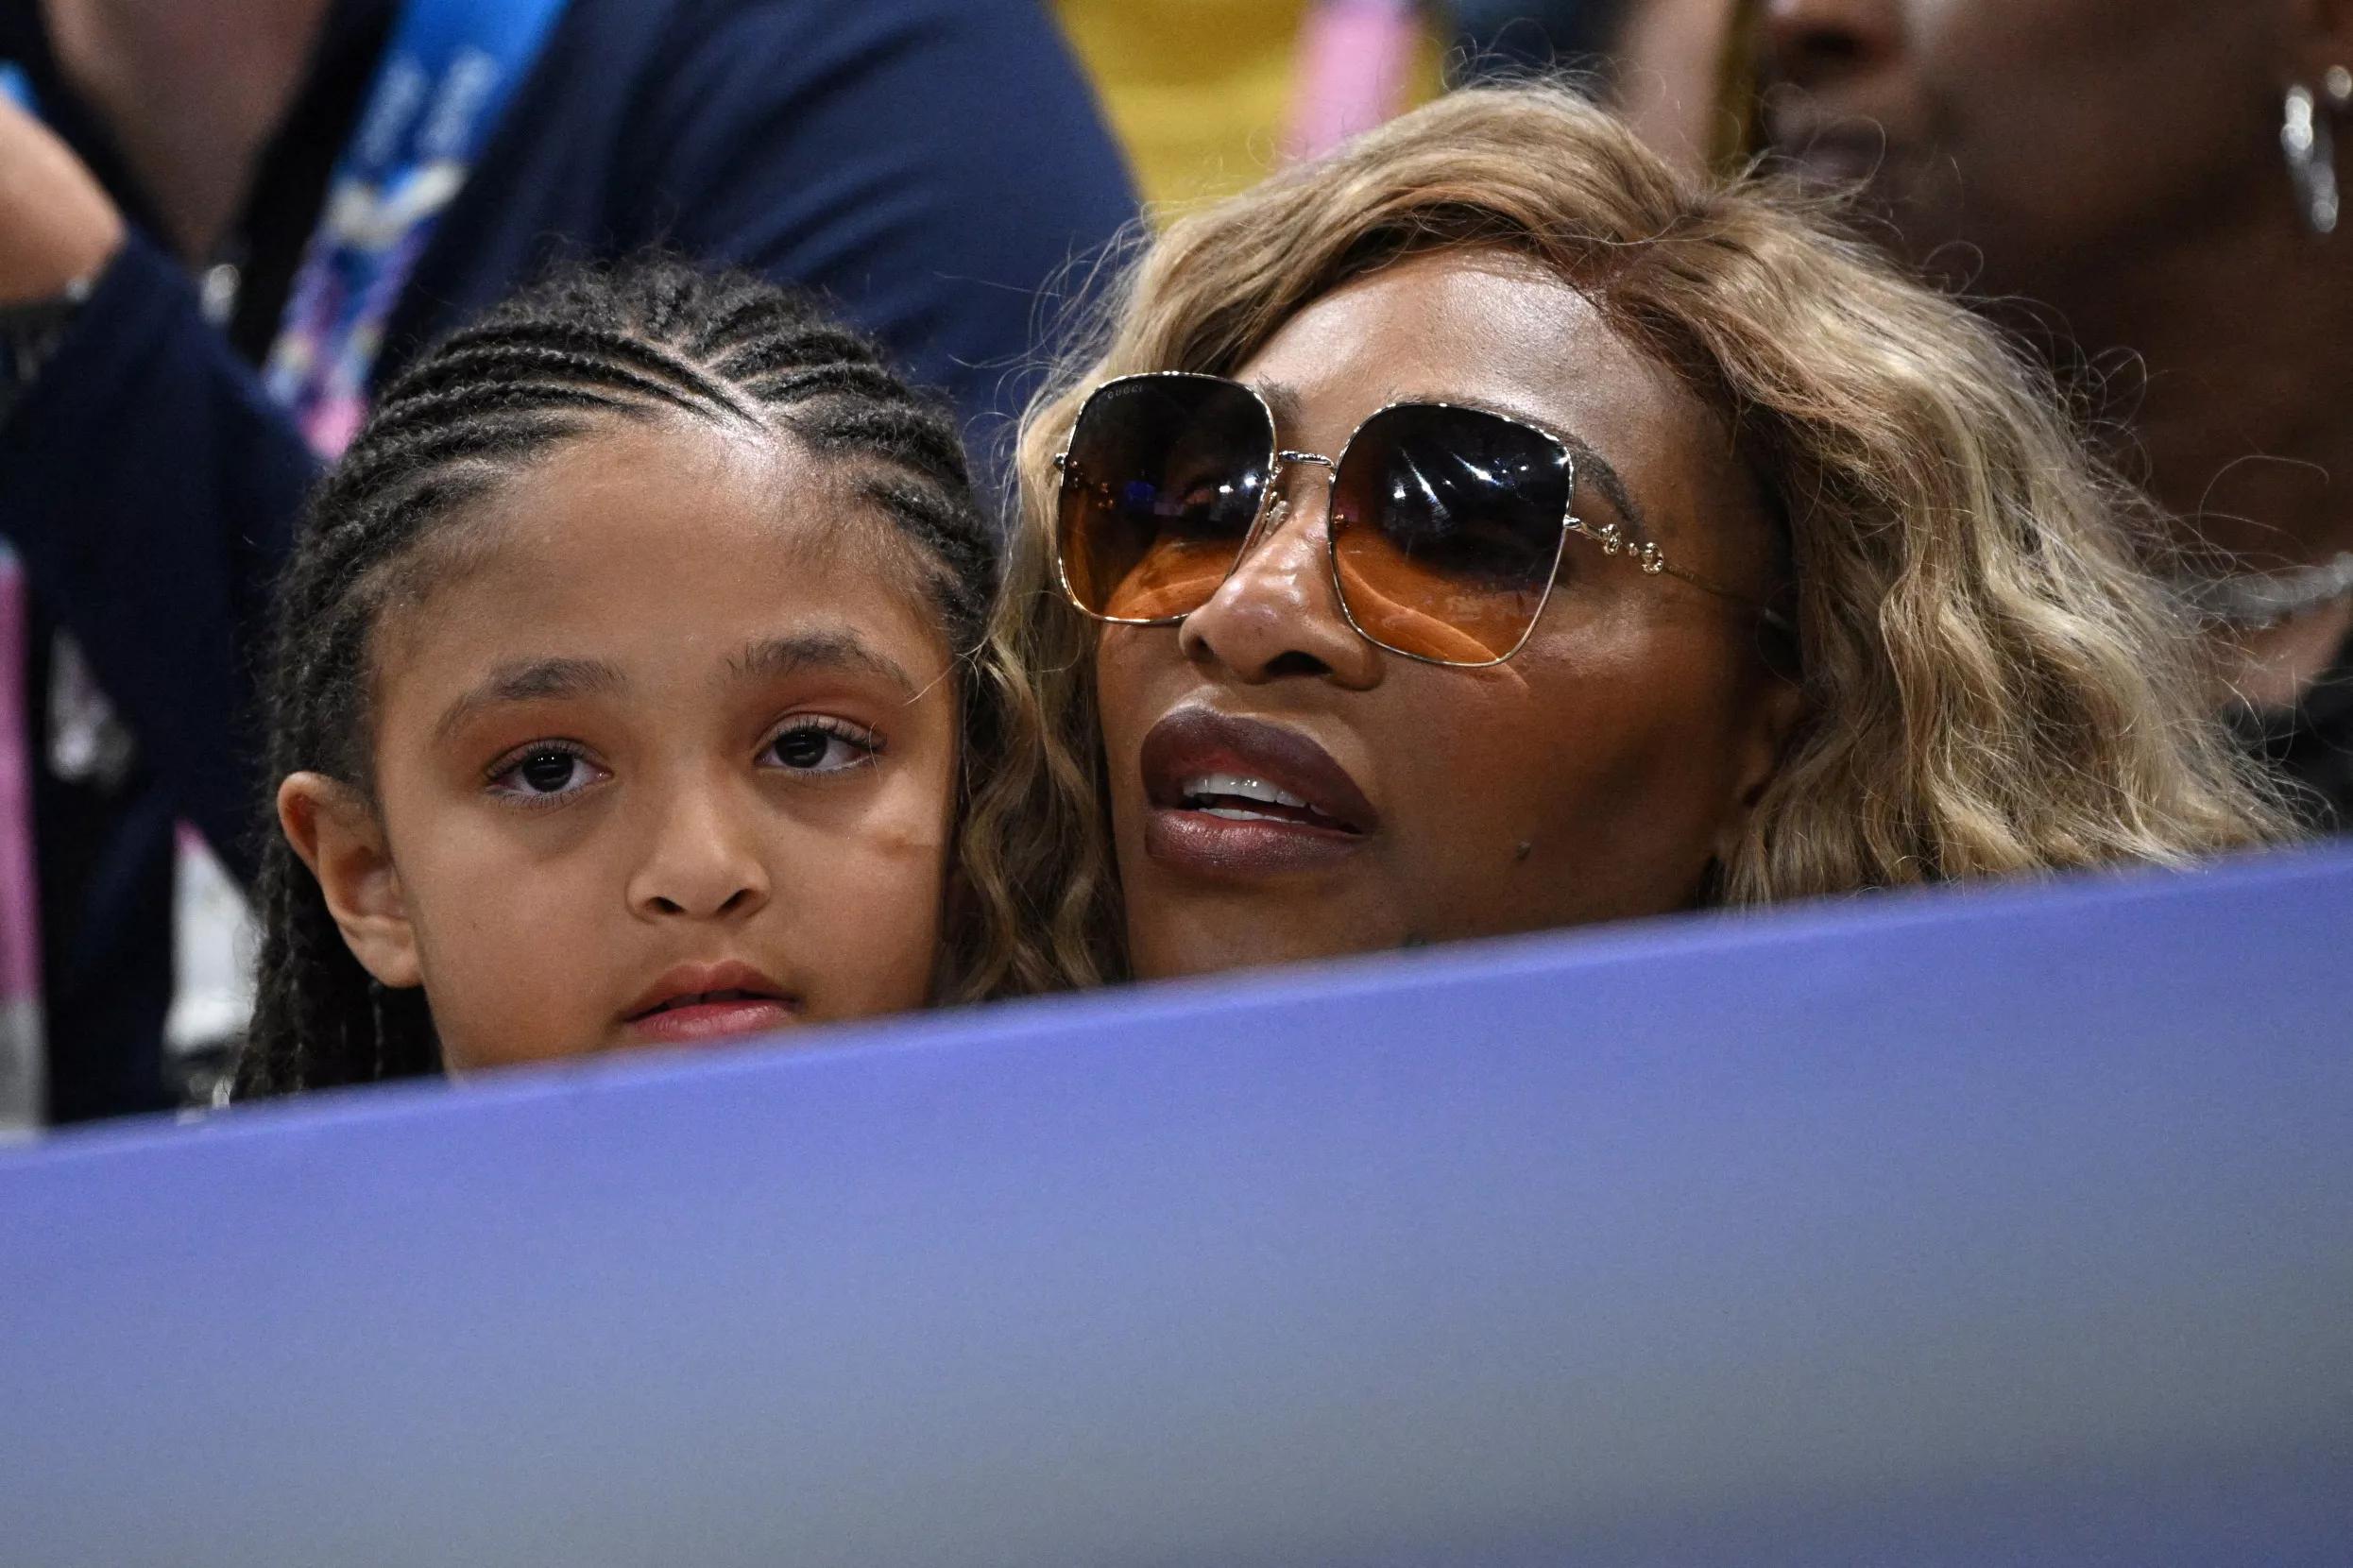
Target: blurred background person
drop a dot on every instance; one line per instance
(2151, 189)
(1517, 37)
(1669, 64)
(1204, 92)
(223, 222)
(1209, 96)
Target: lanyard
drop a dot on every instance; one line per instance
(449, 69)
(447, 74)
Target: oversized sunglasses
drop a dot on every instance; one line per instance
(1446, 526)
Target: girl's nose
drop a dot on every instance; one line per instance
(703, 862)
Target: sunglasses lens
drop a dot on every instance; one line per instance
(1446, 529)
(1159, 491)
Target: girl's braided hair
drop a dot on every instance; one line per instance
(648, 338)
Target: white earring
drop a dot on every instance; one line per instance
(2310, 143)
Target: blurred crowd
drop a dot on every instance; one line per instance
(228, 226)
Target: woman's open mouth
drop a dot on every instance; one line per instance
(1234, 797)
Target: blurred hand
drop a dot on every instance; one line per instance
(57, 224)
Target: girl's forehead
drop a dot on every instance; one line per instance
(673, 495)
(659, 541)
(667, 479)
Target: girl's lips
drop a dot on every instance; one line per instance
(712, 1020)
(709, 1002)
(1253, 833)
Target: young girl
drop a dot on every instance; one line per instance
(629, 689)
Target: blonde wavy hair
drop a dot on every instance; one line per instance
(1992, 684)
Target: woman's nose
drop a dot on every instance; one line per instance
(1278, 613)
(703, 859)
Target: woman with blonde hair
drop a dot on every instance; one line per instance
(1489, 528)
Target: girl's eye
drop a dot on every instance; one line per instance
(822, 746)
(544, 772)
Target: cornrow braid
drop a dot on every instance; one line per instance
(653, 337)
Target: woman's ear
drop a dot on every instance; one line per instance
(336, 831)
(1764, 740)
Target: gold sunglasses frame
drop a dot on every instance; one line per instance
(1612, 539)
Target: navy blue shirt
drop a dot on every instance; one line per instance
(928, 164)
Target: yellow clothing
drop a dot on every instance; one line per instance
(1197, 90)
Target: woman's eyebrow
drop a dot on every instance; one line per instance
(775, 656)
(1285, 403)
(1591, 465)
(532, 680)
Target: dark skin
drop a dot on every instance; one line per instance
(2111, 170)
(1592, 776)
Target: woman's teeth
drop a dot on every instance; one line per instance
(1221, 794)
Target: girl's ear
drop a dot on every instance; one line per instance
(338, 835)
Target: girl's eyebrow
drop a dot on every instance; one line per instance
(532, 680)
(830, 650)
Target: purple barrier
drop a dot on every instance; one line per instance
(2008, 1226)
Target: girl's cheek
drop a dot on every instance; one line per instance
(915, 819)
(511, 951)
(909, 842)
(881, 917)
(897, 950)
